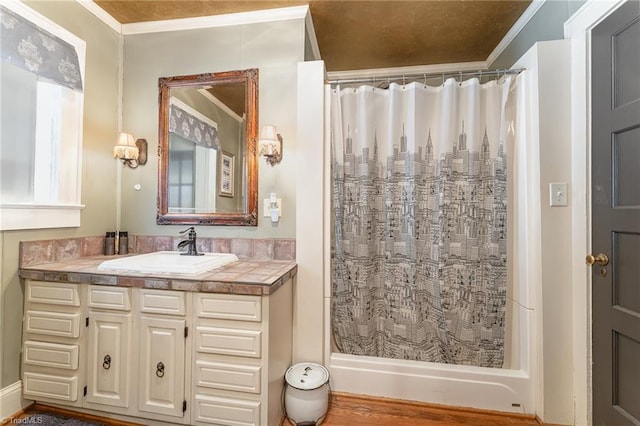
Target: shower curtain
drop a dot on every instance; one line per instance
(419, 201)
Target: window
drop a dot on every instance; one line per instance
(180, 178)
(193, 147)
(41, 74)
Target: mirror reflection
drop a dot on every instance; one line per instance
(207, 149)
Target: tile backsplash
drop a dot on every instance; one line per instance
(48, 251)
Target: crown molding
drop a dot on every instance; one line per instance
(220, 104)
(313, 40)
(515, 30)
(251, 17)
(100, 13)
(303, 12)
(241, 18)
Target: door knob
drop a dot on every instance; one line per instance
(601, 258)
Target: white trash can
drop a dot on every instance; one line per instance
(307, 392)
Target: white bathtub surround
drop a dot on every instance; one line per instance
(511, 389)
(459, 386)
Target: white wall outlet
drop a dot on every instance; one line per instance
(266, 209)
(558, 196)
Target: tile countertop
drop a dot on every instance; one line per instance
(246, 276)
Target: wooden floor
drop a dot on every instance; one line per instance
(346, 410)
(354, 410)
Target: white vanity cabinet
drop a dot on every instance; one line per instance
(52, 358)
(162, 348)
(168, 357)
(242, 349)
(109, 340)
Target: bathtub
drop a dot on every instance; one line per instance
(498, 389)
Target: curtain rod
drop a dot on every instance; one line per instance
(425, 76)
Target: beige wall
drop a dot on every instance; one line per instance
(98, 171)
(274, 48)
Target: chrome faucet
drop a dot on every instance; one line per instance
(190, 243)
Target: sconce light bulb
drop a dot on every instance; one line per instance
(270, 145)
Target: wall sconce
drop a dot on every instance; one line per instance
(270, 145)
(132, 154)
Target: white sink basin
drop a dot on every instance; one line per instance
(169, 262)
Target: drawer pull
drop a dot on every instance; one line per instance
(106, 364)
(160, 370)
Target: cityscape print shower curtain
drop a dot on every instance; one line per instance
(419, 201)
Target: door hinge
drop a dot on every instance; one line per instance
(186, 332)
(86, 322)
(184, 405)
(85, 391)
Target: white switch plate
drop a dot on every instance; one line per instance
(558, 195)
(266, 210)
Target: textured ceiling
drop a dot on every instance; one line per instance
(367, 34)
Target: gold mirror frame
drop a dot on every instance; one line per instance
(248, 217)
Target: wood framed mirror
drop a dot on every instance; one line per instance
(207, 159)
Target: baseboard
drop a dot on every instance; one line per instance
(546, 424)
(11, 401)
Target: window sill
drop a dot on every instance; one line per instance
(39, 216)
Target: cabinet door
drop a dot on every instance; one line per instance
(162, 349)
(109, 358)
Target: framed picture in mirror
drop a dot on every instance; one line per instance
(227, 171)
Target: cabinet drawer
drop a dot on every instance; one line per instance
(228, 341)
(65, 294)
(47, 386)
(229, 306)
(227, 411)
(51, 355)
(234, 377)
(53, 323)
(115, 298)
(162, 302)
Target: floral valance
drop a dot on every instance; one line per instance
(191, 128)
(31, 48)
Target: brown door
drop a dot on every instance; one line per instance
(616, 217)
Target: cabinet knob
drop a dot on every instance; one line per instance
(106, 363)
(160, 369)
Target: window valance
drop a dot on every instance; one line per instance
(192, 128)
(33, 49)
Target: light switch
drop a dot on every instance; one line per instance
(558, 194)
(267, 207)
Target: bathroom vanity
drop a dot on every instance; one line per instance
(202, 349)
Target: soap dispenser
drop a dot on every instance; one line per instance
(123, 242)
(110, 244)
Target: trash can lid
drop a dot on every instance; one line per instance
(307, 376)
